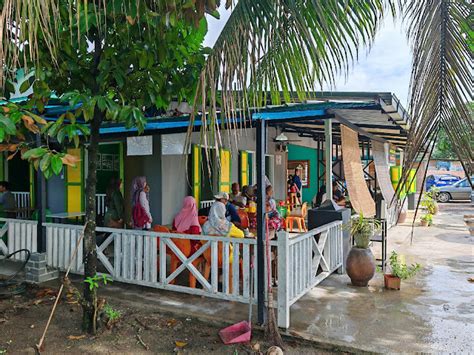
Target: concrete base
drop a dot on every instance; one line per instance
(36, 270)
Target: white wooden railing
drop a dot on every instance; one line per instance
(20, 234)
(221, 265)
(299, 261)
(23, 204)
(206, 204)
(134, 257)
(22, 199)
(100, 206)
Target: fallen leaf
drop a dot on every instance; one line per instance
(256, 347)
(37, 302)
(471, 279)
(171, 322)
(180, 344)
(130, 20)
(76, 337)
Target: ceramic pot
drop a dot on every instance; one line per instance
(360, 266)
(423, 223)
(392, 282)
(402, 217)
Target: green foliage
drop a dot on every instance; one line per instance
(94, 281)
(111, 313)
(362, 230)
(133, 70)
(428, 217)
(428, 200)
(400, 269)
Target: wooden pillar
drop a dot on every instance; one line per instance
(328, 156)
(261, 144)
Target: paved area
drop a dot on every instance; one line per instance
(433, 312)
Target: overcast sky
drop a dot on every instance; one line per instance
(385, 68)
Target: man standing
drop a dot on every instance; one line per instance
(7, 200)
(298, 183)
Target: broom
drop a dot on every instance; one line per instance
(271, 327)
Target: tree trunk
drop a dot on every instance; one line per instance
(90, 255)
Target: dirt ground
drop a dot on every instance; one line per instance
(23, 318)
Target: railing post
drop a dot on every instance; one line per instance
(283, 277)
(340, 247)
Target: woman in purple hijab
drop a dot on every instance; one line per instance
(141, 216)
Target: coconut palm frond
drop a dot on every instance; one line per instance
(271, 51)
(32, 21)
(441, 82)
(20, 22)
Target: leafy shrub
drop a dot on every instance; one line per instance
(400, 269)
(362, 230)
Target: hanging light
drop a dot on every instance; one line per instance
(281, 138)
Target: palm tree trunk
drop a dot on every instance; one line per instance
(90, 255)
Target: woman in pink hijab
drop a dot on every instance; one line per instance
(186, 221)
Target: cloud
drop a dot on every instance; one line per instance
(386, 68)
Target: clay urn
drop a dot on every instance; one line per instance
(360, 266)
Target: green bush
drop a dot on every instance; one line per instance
(402, 270)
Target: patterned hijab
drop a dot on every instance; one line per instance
(138, 185)
(188, 216)
(216, 223)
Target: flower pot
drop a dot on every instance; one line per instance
(469, 222)
(423, 223)
(360, 266)
(392, 282)
(435, 208)
(402, 217)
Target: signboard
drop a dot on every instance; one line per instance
(173, 144)
(142, 145)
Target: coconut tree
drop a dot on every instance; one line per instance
(271, 51)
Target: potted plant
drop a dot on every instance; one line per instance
(399, 271)
(428, 201)
(426, 220)
(360, 263)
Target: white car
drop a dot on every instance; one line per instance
(460, 190)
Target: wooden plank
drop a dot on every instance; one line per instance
(139, 259)
(235, 268)
(225, 267)
(146, 251)
(117, 255)
(187, 263)
(125, 253)
(162, 256)
(29, 241)
(131, 255)
(80, 250)
(68, 250)
(153, 261)
(49, 245)
(34, 237)
(61, 251)
(11, 237)
(214, 266)
(246, 271)
(56, 236)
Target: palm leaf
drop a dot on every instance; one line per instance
(38, 20)
(271, 51)
(441, 82)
